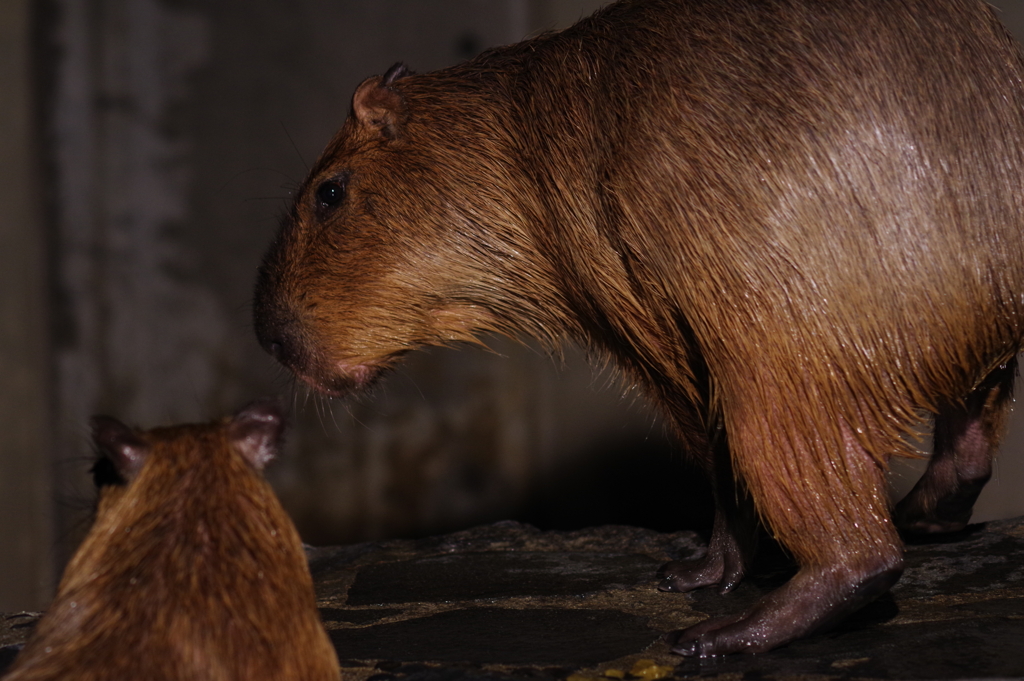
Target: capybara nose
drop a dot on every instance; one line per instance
(276, 330)
(276, 348)
(279, 340)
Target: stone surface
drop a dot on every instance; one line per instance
(495, 574)
(506, 601)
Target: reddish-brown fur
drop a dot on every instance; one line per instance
(796, 223)
(192, 569)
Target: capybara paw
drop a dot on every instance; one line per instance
(943, 499)
(814, 600)
(912, 516)
(680, 576)
(716, 636)
(755, 631)
(929, 526)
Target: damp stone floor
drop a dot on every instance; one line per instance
(506, 601)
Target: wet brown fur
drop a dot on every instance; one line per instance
(192, 570)
(795, 223)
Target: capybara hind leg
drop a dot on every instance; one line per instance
(732, 542)
(823, 497)
(966, 437)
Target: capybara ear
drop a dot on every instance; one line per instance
(122, 446)
(377, 106)
(256, 432)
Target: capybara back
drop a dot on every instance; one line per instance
(192, 569)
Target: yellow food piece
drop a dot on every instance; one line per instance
(649, 670)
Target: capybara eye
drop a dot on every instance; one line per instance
(329, 194)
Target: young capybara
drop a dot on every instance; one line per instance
(192, 569)
(796, 223)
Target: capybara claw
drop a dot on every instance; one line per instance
(725, 586)
(686, 649)
(680, 643)
(668, 586)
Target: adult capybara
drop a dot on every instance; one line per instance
(192, 569)
(796, 223)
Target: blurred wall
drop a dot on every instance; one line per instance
(157, 144)
(26, 507)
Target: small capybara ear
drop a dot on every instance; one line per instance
(256, 432)
(122, 446)
(377, 106)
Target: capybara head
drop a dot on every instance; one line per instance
(386, 246)
(192, 569)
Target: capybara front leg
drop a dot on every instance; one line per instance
(966, 437)
(722, 565)
(823, 496)
(817, 598)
